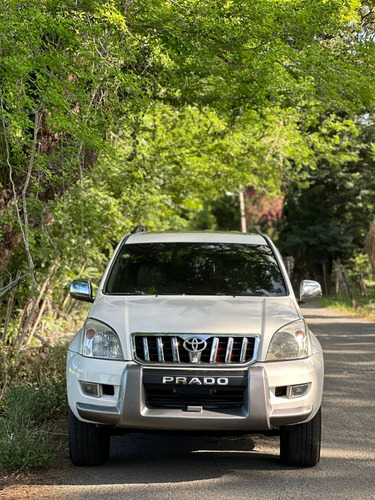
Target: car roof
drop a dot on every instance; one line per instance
(196, 237)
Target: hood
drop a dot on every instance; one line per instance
(194, 314)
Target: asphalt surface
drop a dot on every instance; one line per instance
(168, 467)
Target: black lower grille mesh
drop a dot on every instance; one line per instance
(178, 389)
(182, 397)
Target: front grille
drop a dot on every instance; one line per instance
(182, 397)
(184, 349)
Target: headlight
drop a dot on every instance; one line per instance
(290, 342)
(100, 341)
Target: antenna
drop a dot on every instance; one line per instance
(139, 229)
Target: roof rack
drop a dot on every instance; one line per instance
(139, 229)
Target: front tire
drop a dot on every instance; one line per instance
(300, 444)
(88, 444)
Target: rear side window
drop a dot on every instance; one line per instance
(196, 269)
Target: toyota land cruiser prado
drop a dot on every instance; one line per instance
(195, 332)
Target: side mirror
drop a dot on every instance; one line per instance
(81, 290)
(309, 291)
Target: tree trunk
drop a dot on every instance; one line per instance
(31, 315)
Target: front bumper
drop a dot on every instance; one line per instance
(262, 408)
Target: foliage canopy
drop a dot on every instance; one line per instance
(119, 112)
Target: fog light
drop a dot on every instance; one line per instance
(297, 391)
(90, 389)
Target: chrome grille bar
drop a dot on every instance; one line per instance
(175, 352)
(217, 350)
(159, 347)
(245, 341)
(146, 351)
(228, 354)
(214, 348)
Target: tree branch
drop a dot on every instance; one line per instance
(23, 226)
(10, 286)
(178, 5)
(231, 63)
(24, 202)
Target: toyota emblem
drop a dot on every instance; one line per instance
(195, 344)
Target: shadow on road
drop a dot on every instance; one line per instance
(148, 458)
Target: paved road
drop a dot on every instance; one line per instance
(160, 468)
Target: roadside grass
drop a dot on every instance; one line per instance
(24, 445)
(34, 397)
(362, 307)
(33, 400)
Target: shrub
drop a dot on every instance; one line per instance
(34, 394)
(42, 368)
(24, 444)
(23, 447)
(35, 404)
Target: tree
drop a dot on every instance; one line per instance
(331, 217)
(60, 78)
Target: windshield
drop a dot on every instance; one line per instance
(196, 269)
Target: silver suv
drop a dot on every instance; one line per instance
(195, 331)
